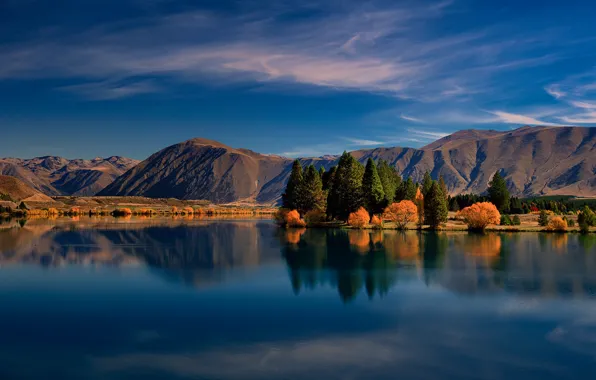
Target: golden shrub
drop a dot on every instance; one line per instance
(401, 213)
(122, 212)
(174, 210)
(52, 211)
(376, 221)
(293, 220)
(557, 224)
(479, 215)
(280, 216)
(359, 219)
(188, 210)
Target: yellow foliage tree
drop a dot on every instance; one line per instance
(479, 215)
(359, 219)
(401, 213)
(376, 222)
(557, 224)
(419, 201)
(293, 220)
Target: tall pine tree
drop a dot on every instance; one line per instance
(498, 193)
(372, 189)
(427, 182)
(390, 180)
(328, 177)
(291, 197)
(345, 193)
(435, 207)
(312, 196)
(407, 191)
(443, 187)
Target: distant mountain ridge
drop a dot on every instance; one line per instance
(533, 160)
(54, 175)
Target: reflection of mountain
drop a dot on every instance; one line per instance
(188, 251)
(530, 264)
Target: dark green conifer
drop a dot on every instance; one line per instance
(312, 196)
(498, 193)
(372, 189)
(435, 207)
(291, 197)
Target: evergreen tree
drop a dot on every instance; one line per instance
(291, 197)
(345, 194)
(515, 206)
(321, 172)
(498, 193)
(543, 218)
(312, 196)
(443, 187)
(390, 180)
(372, 189)
(435, 207)
(453, 205)
(328, 178)
(427, 182)
(22, 206)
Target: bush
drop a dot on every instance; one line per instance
(315, 217)
(479, 215)
(376, 222)
(293, 220)
(584, 228)
(359, 219)
(401, 213)
(543, 218)
(557, 224)
(570, 222)
(122, 212)
(280, 216)
(516, 221)
(506, 220)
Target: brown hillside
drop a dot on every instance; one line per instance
(59, 176)
(18, 191)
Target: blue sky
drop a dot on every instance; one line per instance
(293, 77)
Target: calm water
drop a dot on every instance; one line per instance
(98, 299)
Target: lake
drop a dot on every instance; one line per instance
(242, 299)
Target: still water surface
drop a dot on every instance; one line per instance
(163, 299)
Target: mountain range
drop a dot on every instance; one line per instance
(53, 175)
(533, 160)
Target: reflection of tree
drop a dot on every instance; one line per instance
(347, 260)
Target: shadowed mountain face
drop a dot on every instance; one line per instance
(533, 160)
(59, 176)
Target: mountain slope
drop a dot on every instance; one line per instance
(534, 161)
(59, 176)
(18, 191)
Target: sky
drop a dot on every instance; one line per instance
(87, 78)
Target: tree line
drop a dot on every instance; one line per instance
(349, 185)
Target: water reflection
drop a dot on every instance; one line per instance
(374, 261)
(353, 262)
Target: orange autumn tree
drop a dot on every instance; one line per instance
(557, 224)
(401, 213)
(293, 220)
(359, 219)
(419, 199)
(479, 215)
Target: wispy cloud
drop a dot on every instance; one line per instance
(109, 90)
(411, 118)
(512, 118)
(554, 91)
(363, 142)
(427, 135)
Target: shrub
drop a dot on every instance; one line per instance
(188, 210)
(543, 218)
(293, 220)
(584, 227)
(280, 216)
(506, 220)
(122, 212)
(52, 211)
(315, 217)
(570, 222)
(376, 221)
(359, 219)
(479, 215)
(557, 224)
(516, 221)
(174, 210)
(402, 213)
